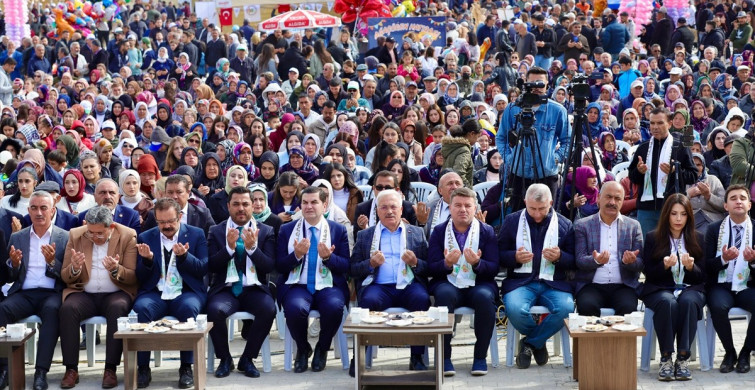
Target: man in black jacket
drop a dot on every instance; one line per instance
(684, 35)
(292, 59)
(388, 53)
(243, 65)
(189, 48)
(662, 30)
(545, 40)
(366, 215)
(99, 56)
(216, 49)
(712, 36)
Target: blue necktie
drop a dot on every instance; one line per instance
(312, 260)
(240, 257)
(737, 236)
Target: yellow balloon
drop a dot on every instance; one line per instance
(399, 11)
(409, 5)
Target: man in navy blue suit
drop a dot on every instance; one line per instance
(313, 262)
(179, 188)
(107, 194)
(61, 219)
(389, 265)
(243, 246)
(463, 261)
(171, 279)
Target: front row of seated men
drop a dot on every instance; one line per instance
(104, 269)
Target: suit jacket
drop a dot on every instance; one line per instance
(713, 263)
(6, 219)
(587, 239)
(431, 207)
(486, 270)
(192, 266)
(198, 217)
(507, 251)
(658, 278)
(122, 243)
(359, 267)
(338, 263)
(20, 240)
(123, 215)
(407, 212)
(263, 257)
(63, 220)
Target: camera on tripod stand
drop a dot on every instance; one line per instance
(580, 90)
(526, 117)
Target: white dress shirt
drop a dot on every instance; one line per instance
(35, 270)
(100, 280)
(609, 273)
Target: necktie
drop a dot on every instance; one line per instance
(312, 260)
(737, 236)
(166, 259)
(240, 257)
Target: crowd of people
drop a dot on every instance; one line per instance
(165, 166)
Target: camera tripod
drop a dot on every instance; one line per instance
(525, 139)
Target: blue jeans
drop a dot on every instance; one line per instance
(648, 220)
(543, 62)
(519, 301)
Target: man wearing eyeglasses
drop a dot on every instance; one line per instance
(35, 257)
(171, 280)
(366, 214)
(99, 271)
(179, 188)
(389, 265)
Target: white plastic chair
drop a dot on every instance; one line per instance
(360, 169)
(620, 167)
(267, 364)
(341, 347)
(512, 340)
(649, 342)
(422, 190)
(622, 145)
(711, 331)
(366, 191)
(621, 175)
(482, 189)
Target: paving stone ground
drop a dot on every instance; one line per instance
(551, 376)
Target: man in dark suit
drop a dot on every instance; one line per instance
(366, 214)
(7, 221)
(538, 249)
(250, 247)
(171, 280)
(107, 194)
(608, 247)
(292, 59)
(439, 211)
(61, 219)
(178, 188)
(389, 265)
(725, 262)
(463, 270)
(35, 257)
(313, 262)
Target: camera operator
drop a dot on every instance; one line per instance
(551, 129)
(652, 169)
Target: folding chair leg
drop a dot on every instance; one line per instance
(90, 335)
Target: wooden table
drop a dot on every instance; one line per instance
(381, 334)
(605, 360)
(173, 340)
(14, 349)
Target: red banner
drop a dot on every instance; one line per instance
(226, 16)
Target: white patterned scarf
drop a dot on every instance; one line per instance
(404, 274)
(662, 178)
(524, 239)
(741, 270)
(232, 274)
(324, 278)
(462, 275)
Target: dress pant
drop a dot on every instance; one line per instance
(521, 184)
(413, 297)
(150, 306)
(519, 301)
(676, 317)
(296, 306)
(619, 297)
(482, 299)
(720, 300)
(44, 303)
(78, 307)
(253, 300)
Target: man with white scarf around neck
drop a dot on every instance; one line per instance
(538, 249)
(300, 288)
(463, 261)
(389, 265)
(729, 269)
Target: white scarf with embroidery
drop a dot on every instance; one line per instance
(524, 239)
(232, 274)
(404, 274)
(741, 272)
(323, 278)
(171, 282)
(662, 178)
(462, 275)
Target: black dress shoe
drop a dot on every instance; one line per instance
(302, 358)
(541, 355)
(143, 377)
(243, 363)
(40, 380)
(3, 378)
(727, 365)
(417, 363)
(320, 358)
(743, 363)
(224, 368)
(251, 370)
(185, 377)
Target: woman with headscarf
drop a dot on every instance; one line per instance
(209, 179)
(66, 145)
(715, 145)
(163, 65)
(224, 149)
(261, 211)
(611, 155)
(706, 195)
(333, 212)
(431, 173)
(277, 137)
(582, 192)
(395, 107)
(236, 176)
(164, 116)
(269, 167)
(700, 120)
(451, 97)
(300, 164)
(491, 172)
(149, 173)
(594, 124)
(126, 146)
(679, 120)
(129, 183)
(242, 155)
(293, 138)
(73, 198)
(111, 165)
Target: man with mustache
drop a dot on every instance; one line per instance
(608, 247)
(106, 193)
(171, 280)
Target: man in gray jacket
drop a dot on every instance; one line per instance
(525, 40)
(6, 87)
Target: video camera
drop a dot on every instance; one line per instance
(528, 98)
(580, 90)
(526, 117)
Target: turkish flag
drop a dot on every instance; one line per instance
(226, 16)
